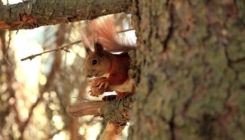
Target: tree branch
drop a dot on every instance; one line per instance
(85, 108)
(111, 131)
(116, 112)
(36, 13)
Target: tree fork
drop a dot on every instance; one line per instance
(116, 112)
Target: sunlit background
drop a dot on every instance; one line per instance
(34, 93)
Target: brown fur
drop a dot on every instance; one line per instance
(102, 62)
(103, 30)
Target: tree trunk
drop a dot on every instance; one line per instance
(192, 60)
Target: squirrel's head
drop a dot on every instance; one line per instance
(98, 62)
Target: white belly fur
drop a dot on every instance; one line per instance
(125, 87)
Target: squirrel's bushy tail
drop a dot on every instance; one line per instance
(103, 30)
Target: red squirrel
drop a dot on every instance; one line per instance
(110, 71)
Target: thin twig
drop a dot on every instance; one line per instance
(54, 50)
(125, 30)
(63, 47)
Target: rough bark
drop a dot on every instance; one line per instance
(35, 13)
(192, 60)
(115, 112)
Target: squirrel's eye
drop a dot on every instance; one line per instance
(94, 62)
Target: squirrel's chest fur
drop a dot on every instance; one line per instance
(118, 73)
(127, 86)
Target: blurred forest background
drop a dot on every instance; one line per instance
(191, 56)
(34, 93)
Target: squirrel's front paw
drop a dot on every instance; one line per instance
(95, 82)
(98, 86)
(96, 91)
(99, 82)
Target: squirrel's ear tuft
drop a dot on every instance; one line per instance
(88, 51)
(98, 49)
